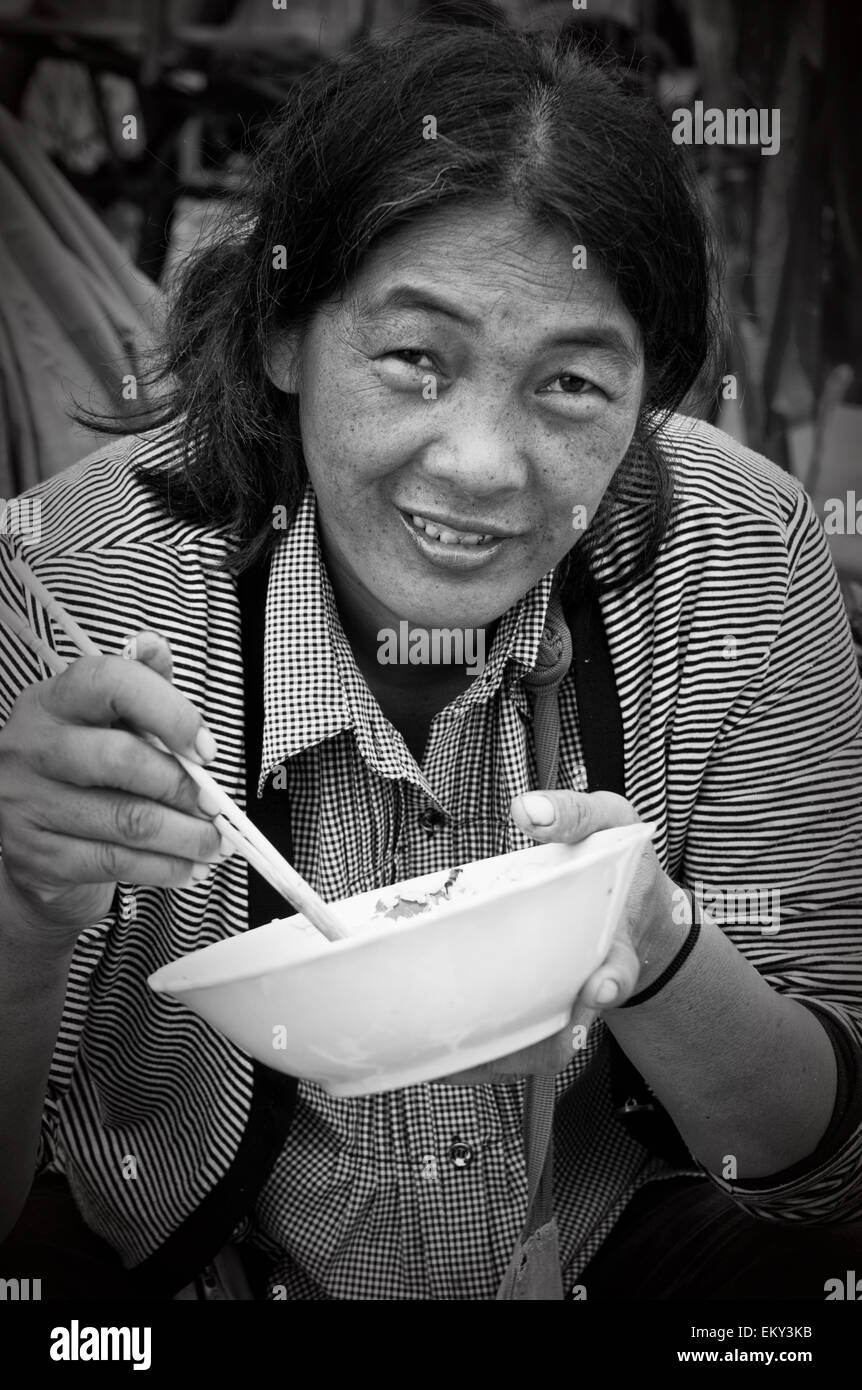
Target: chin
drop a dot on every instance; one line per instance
(477, 615)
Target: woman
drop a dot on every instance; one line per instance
(431, 376)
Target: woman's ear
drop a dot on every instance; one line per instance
(282, 361)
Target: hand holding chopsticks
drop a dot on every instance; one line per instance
(231, 822)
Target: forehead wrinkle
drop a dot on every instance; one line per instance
(393, 305)
(476, 254)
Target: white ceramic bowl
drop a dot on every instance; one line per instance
(411, 1000)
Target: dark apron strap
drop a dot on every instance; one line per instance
(601, 727)
(269, 812)
(599, 716)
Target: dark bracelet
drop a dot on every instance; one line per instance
(676, 964)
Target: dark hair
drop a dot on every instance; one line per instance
(572, 143)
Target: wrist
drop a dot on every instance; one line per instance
(24, 930)
(665, 933)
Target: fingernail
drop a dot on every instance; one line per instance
(225, 848)
(208, 802)
(206, 745)
(539, 809)
(201, 871)
(607, 992)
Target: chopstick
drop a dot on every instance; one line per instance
(31, 639)
(229, 820)
(52, 607)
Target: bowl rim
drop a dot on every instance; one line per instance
(639, 831)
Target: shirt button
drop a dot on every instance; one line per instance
(461, 1155)
(129, 909)
(431, 819)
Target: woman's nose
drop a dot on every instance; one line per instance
(478, 446)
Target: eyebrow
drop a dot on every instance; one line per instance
(600, 337)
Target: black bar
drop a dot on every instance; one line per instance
(260, 1339)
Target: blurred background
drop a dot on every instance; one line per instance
(124, 123)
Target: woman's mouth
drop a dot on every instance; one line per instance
(448, 535)
(448, 547)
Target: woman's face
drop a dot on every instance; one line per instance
(463, 410)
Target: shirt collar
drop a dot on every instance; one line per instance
(313, 689)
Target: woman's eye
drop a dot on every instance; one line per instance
(413, 357)
(571, 385)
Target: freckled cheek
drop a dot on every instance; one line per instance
(342, 432)
(578, 475)
(600, 452)
(575, 483)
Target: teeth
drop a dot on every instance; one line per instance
(446, 535)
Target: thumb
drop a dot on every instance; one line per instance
(615, 979)
(151, 649)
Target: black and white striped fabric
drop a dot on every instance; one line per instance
(742, 714)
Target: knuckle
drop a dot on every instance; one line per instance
(209, 840)
(136, 822)
(95, 682)
(86, 672)
(131, 762)
(106, 674)
(180, 790)
(106, 861)
(49, 867)
(577, 814)
(44, 753)
(101, 669)
(20, 861)
(118, 753)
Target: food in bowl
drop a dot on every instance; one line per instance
(406, 906)
(459, 886)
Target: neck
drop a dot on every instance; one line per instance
(394, 652)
